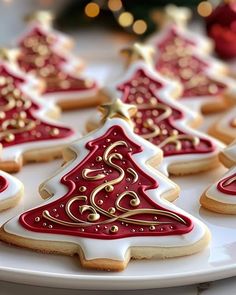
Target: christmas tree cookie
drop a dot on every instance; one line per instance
(41, 23)
(162, 120)
(221, 196)
(205, 85)
(11, 190)
(26, 134)
(172, 22)
(106, 204)
(225, 128)
(41, 55)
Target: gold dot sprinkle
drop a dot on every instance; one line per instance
(213, 89)
(114, 229)
(65, 84)
(109, 188)
(99, 159)
(152, 227)
(100, 202)
(54, 131)
(2, 115)
(82, 188)
(2, 80)
(9, 137)
(139, 100)
(111, 210)
(153, 100)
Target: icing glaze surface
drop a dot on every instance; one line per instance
(106, 197)
(228, 185)
(18, 119)
(3, 183)
(156, 119)
(38, 56)
(117, 247)
(177, 60)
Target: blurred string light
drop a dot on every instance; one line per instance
(205, 8)
(123, 17)
(92, 9)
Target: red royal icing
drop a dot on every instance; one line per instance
(17, 115)
(142, 90)
(175, 59)
(228, 185)
(105, 195)
(39, 57)
(3, 184)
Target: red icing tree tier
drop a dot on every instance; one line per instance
(17, 115)
(155, 119)
(39, 57)
(175, 59)
(228, 185)
(3, 184)
(107, 197)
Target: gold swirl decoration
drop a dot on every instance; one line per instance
(91, 205)
(18, 125)
(13, 99)
(149, 123)
(176, 140)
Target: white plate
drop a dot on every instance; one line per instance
(216, 262)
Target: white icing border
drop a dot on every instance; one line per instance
(117, 248)
(230, 151)
(223, 125)
(14, 187)
(215, 194)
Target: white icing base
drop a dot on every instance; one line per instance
(215, 194)
(224, 125)
(117, 248)
(14, 187)
(230, 151)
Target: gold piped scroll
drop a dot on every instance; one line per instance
(117, 212)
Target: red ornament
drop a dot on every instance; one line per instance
(221, 27)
